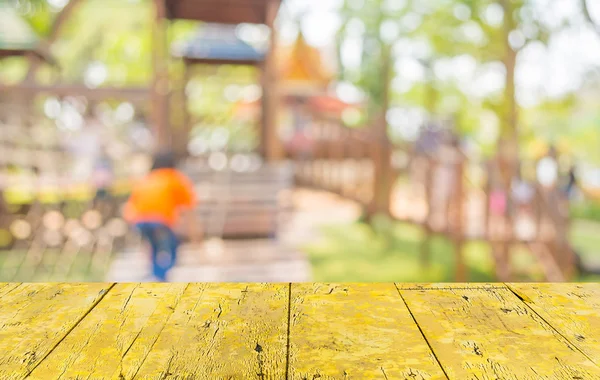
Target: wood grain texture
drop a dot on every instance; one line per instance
(35, 318)
(355, 331)
(299, 331)
(489, 333)
(223, 331)
(573, 310)
(98, 346)
(7, 287)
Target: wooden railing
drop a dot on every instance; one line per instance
(436, 192)
(339, 161)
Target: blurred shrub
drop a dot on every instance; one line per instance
(586, 210)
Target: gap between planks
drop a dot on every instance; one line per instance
(83, 316)
(505, 286)
(421, 330)
(527, 301)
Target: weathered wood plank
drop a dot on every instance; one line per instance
(355, 331)
(223, 331)
(34, 318)
(488, 333)
(7, 287)
(572, 309)
(97, 348)
(213, 331)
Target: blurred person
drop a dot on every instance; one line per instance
(547, 168)
(154, 207)
(571, 182)
(498, 202)
(102, 176)
(449, 155)
(426, 142)
(522, 192)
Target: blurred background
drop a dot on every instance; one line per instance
(330, 140)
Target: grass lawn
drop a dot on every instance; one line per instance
(355, 253)
(13, 268)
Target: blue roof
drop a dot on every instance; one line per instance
(219, 42)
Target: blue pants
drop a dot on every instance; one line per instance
(161, 238)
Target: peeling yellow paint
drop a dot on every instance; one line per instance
(299, 331)
(97, 345)
(489, 333)
(574, 311)
(34, 318)
(356, 331)
(223, 331)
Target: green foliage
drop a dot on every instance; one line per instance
(375, 51)
(449, 28)
(38, 13)
(115, 33)
(118, 34)
(588, 210)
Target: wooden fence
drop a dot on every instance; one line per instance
(439, 191)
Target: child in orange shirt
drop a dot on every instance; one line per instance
(154, 206)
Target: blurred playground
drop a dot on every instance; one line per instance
(338, 141)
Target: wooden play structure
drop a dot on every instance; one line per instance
(246, 201)
(249, 202)
(241, 192)
(442, 191)
(244, 194)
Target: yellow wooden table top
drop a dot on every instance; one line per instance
(299, 331)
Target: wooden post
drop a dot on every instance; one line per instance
(269, 141)
(510, 152)
(332, 138)
(430, 169)
(160, 86)
(346, 152)
(458, 230)
(508, 231)
(358, 148)
(570, 262)
(182, 136)
(562, 252)
(503, 263)
(337, 155)
(487, 188)
(382, 147)
(187, 119)
(510, 62)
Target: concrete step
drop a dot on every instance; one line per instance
(218, 251)
(276, 271)
(261, 260)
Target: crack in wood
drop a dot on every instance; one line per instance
(100, 297)
(459, 288)
(384, 374)
(129, 298)
(526, 301)
(437, 360)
